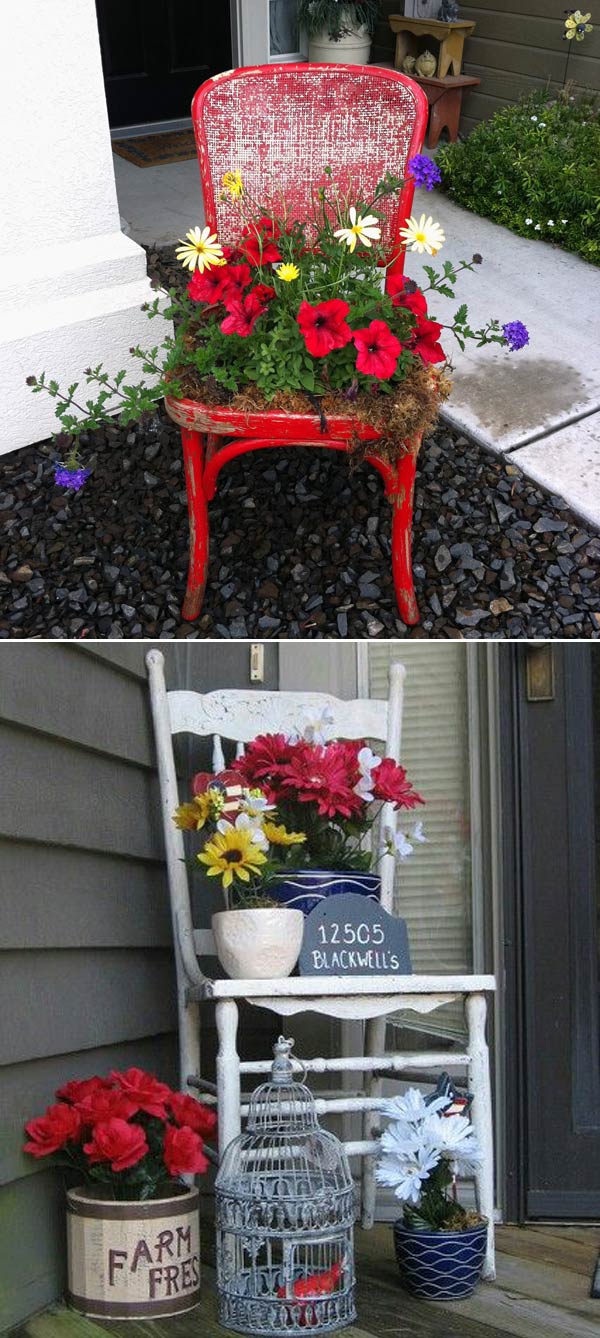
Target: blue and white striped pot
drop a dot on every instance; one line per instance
(440, 1265)
(305, 888)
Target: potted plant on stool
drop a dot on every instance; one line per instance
(133, 1228)
(440, 1245)
(339, 31)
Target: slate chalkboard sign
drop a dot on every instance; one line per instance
(348, 935)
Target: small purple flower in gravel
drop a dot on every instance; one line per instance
(424, 171)
(516, 335)
(70, 478)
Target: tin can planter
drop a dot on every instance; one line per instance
(440, 1265)
(260, 943)
(305, 888)
(132, 1260)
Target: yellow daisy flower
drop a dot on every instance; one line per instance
(232, 181)
(577, 25)
(279, 835)
(192, 817)
(287, 272)
(201, 249)
(232, 854)
(423, 235)
(364, 230)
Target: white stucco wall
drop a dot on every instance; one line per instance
(71, 284)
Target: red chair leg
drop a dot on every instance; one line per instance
(402, 502)
(193, 458)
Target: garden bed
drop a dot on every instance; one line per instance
(300, 548)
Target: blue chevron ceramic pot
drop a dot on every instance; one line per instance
(440, 1265)
(304, 889)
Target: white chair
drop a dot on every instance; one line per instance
(239, 716)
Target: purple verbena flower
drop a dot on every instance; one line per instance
(424, 171)
(516, 335)
(70, 478)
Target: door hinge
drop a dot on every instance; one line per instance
(257, 662)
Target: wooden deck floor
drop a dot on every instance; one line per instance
(542, 1291)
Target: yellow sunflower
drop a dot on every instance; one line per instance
(192, 817)
(201, 249)
(232, 854)
(279, 835)
(577, 25)
(423, 235)
(232, 181)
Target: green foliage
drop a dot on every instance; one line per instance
(337, 16)
(537, 160)
(436, 1212)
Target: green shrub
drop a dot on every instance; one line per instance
(534, 167)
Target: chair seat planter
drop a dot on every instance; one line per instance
(213, 435)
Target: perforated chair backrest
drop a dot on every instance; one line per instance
(281, 126)
(239, 716)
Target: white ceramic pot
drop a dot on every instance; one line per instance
(259, 944)
(354, 49)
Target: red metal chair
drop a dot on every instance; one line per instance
(281, 126)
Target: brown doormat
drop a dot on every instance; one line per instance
(173, 146)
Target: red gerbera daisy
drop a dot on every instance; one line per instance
(258, 242)
(208, 287)
(264, 760)
(320, 776)
(378, 350)
(243, 314)
(324, 327)
(392, 786)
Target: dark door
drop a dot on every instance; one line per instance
(155, 54)
(559, 746)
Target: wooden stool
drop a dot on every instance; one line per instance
(451, 38)
(445, 102)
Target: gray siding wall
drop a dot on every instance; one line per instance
(86, 966)
(517, 47)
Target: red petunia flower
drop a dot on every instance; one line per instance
(258, 242)
(324, 327)
(105, 1105)
(425, 334)
(243, 314)
(378, 350)
(187, 1111)
(117, 1142)
(183, 1153)
(144, 1090)
(236, 278)
(231, 254)
(61, 1124)
(392, 786)
(425, 337)
(264, 292)
(76, 1090)
(320, 775)
(209, 286)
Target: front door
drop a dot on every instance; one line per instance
(156, 53)
(559, 747)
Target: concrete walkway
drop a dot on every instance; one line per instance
(542, 404)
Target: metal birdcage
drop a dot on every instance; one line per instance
(284, 1216)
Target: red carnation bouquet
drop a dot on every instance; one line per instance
(128, 1134)
(298, 801)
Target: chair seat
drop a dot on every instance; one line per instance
(276, 424)
(323, 986)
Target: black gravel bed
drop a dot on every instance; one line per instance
(300, 546)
